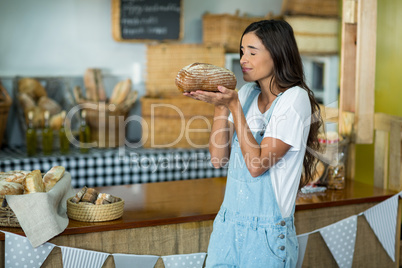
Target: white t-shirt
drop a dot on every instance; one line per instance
(289, 123)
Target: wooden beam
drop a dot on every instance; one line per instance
(395, 178)
(349, 12)
(381, 159)
(365, 70)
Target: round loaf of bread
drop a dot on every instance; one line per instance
(204, 76)
(10, 188)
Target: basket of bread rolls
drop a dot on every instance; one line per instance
(91, 206)
(19, 182)
(105, 115)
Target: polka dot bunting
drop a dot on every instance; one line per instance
(340, 238)
(195, 260)
(19, 252)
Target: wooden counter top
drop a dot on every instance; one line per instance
(163, 203)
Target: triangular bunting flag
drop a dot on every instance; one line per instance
(81, 258)
(303, 239)
(20, 253)
(382, 219)
(195, 260)
(129, 260)
(340, 238)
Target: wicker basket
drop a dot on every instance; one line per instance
(176, 122)
(5, 104)
(94, 213)
(7, 216)
(164, 61)
(226, 29)
(108, 128)
(326, 8)
(315, 35)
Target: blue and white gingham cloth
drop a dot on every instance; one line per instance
(104, 167)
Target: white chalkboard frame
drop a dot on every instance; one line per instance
(117, 31)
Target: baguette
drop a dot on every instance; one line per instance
(94, 85)
(204, 76)
(17, 176)
(120, 92)
(52, 177)
(33, 183)
(10, 188)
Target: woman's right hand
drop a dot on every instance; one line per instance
(223, 98)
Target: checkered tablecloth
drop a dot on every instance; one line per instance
(104, 167)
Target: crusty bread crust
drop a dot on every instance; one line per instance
(52, 177)
(10, 188)
(204, 76)
(33, 183)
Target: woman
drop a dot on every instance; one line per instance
(263, 132)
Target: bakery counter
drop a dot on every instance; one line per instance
(176, 218)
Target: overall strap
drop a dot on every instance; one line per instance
(250, 100)
(248, 103)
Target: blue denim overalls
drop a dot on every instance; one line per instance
(249, 230)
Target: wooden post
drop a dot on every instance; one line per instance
(358, 65)
(395, 178)
(365, 70)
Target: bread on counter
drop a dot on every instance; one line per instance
(17, 176)
(204, 76)
(52, 177)
(33, 183)
(10, 188)
(91, 196)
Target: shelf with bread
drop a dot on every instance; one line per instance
(37, 96)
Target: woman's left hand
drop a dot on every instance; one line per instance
(224, 97)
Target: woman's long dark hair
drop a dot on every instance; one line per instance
(278, 38)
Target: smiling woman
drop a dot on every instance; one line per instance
(267, 132)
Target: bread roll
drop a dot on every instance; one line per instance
(120, 92)
(26, 101)
(32, 87)
(48, 104)
(56, 121)
(108, 198)
(33, 183)
(52, 177)
(90, 196)
(203, 76)
(77, 198)
(10, 188)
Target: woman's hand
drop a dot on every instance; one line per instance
(224, 97)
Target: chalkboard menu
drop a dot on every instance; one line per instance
(142, 20)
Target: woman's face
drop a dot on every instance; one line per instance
(256, 62)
